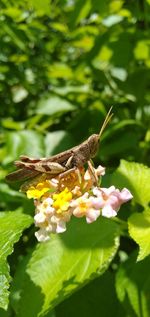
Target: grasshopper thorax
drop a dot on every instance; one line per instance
(93, 142)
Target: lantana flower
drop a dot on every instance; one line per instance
(83, 206)
(75, 194)
(110, 199)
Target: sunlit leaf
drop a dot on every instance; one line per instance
(142, 50)
(119, 73)
(12, 225)
(60, 70)
(19, 94)
(139, 229)
(112, 19)
(135, 177)
(57, 142)
(54, 105)
(115, 5)
(10, 124)
(14, 12)
(81, 10)
(23, 142)
(67, 262)
(42, 7)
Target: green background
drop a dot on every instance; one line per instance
(63, 64)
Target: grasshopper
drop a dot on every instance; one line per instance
(62, 163)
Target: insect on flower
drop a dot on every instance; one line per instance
(62, 163)
(61, 187)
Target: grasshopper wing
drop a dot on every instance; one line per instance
(21, 175)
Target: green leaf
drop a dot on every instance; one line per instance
(60, 70)
(4, 313)
(23, 142)
(54, 105)
(112, 20)
(11, 124)
(133, 286)
(113, 148)
(92, 300)
(59, 267)
(57, 142)
(135, 177)
(139, 230)
(41, 7)
(80, 11)
(15, 37)
(12, 225)
(84, 89)
(8, 194)
(119, 73)
(141, 50)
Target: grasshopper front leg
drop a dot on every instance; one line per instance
(92, 172)
(68, 168)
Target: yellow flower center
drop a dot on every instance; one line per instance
(62, 200)
(39, 190)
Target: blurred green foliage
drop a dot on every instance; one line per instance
(63, 64)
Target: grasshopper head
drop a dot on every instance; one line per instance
(93, 142)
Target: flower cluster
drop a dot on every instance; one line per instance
(78, 194)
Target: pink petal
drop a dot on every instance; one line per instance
(108, 191)
(92, 215)
(125, 195)
(114, 202)
(108, 211)
(97, 202)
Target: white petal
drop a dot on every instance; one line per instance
(97, 191)
(49, 211)
(61, 226)
(42, 235)
(87, 176)
(48, 200)
(100, 170)
(39, 218)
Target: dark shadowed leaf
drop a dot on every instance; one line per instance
(92, 300)
(133, 286)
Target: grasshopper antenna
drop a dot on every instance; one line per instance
(107, 119)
